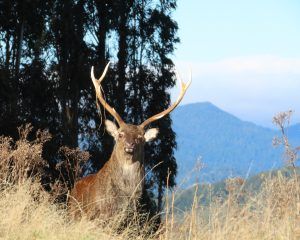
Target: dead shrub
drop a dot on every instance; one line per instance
(70, 170)
(22, 159)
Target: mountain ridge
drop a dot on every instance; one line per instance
(226, 145)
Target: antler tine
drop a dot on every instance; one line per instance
(104, 72)
(97, 85)
(184, 87)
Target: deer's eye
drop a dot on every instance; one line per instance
(121, 135)
(139, 138)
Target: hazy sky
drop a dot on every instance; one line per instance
(244, 55)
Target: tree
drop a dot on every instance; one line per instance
(22, 67)
(47, 49)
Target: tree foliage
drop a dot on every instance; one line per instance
(46, 51)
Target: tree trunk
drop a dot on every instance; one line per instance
(7, 51)
(159, 196)
(122, 55)
(19, 51)
(102, 32)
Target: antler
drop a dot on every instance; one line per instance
(97, 85)
(184, 87)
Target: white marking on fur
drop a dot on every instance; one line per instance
(150, 134)
(111, 128)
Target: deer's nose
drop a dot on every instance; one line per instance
(130, 144)
(129, 147)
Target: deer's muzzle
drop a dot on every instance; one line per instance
(129, 148)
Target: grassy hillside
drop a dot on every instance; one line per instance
(184, 199)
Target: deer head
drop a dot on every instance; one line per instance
(130, 138)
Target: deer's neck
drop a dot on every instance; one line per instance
(129, 172)
(127, 163)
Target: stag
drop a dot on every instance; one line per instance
(121, 179)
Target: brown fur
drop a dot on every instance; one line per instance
(119, 182)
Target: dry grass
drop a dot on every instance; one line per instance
(271, 213)
(29, 212)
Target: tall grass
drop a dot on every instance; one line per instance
(271, 213)
(30, 212)
(27, 212)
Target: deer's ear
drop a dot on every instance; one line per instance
(150, 134)
(111, 128)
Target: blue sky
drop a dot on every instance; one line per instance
(245, 55)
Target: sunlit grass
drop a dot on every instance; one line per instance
(271, 211)
(27, 212)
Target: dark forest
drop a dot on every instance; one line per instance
(47, 50)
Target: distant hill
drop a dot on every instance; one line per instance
(226, 145)
(294, 133)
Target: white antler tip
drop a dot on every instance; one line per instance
(189, 83)
(92, 73)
